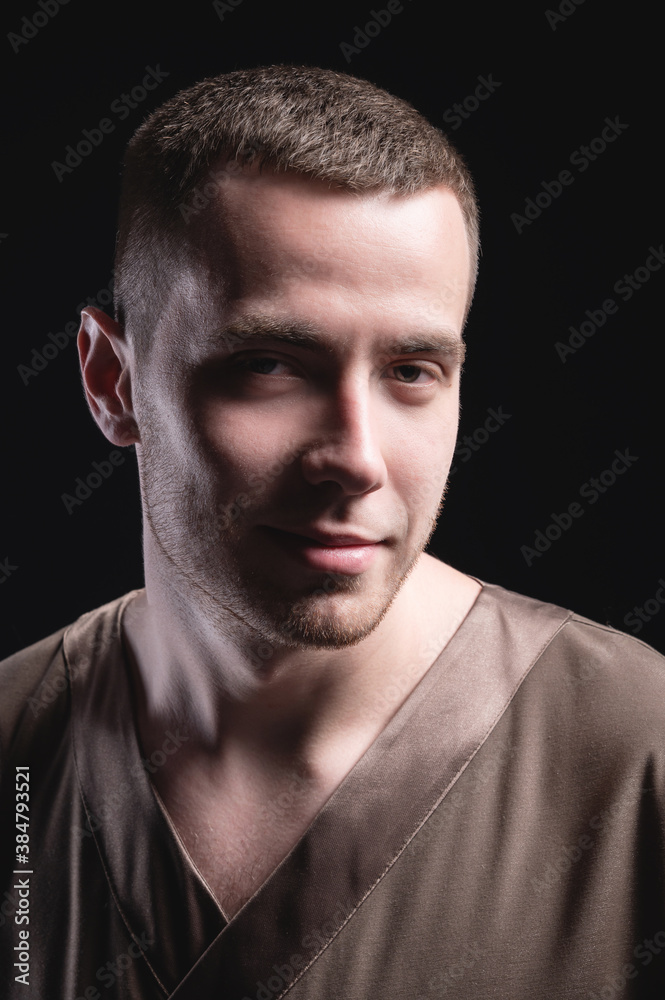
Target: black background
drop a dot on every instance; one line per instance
(557, 86)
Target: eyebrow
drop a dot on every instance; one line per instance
(296, 333)
(444, 342)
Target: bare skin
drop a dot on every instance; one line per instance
(289, 486)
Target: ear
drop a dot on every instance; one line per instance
(105, 367)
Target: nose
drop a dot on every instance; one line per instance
(347, 448)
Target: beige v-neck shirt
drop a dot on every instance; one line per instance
(503, 837)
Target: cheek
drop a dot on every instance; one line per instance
(422, 490)
(242, 452)
(420, 463)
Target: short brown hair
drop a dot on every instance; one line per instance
(325, 125)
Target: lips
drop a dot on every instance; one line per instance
(334, 553)
(329, 539)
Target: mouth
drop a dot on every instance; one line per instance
(345, 554)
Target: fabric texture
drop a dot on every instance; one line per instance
(503, 837)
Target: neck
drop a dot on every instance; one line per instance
(216, 677)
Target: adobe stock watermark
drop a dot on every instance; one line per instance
(30, 26)
(580, 158)
(312, 943)
(625, 287)
(258, 655)
(570, 854)
(121, 107)
(201, 196)
(256, 486)
(57, 342)
(8, 907)
(448, 979)
(562, 13)
(221, 7)
(379, 19)
(100, 471)
(591, 491)
(6, 569)
(49, 689)
(279, 810)
(58, 681)
(107, 975)
(471, 443)
(456, 115)
(639, 616)
(391, 694)
(115, 801)
(645, 952)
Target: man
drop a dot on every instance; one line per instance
(308, 757)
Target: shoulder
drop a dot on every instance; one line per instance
(625, 657)
(589, 681)
(22, 674)
(612, 683)
(579, 637)
(32, 679)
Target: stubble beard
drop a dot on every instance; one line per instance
(333, 611)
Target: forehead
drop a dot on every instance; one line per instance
(288, 247)
(296, 215)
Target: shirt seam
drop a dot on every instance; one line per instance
(423, 820)
(100, 855)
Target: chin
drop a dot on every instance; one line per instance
(340, 614)
(336, 612)
(327, 631)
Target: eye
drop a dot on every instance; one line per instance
(260, 365)
(410, 374)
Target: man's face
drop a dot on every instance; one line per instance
(298, 406)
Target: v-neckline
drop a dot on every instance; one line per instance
(352, 841)
(188, 857)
